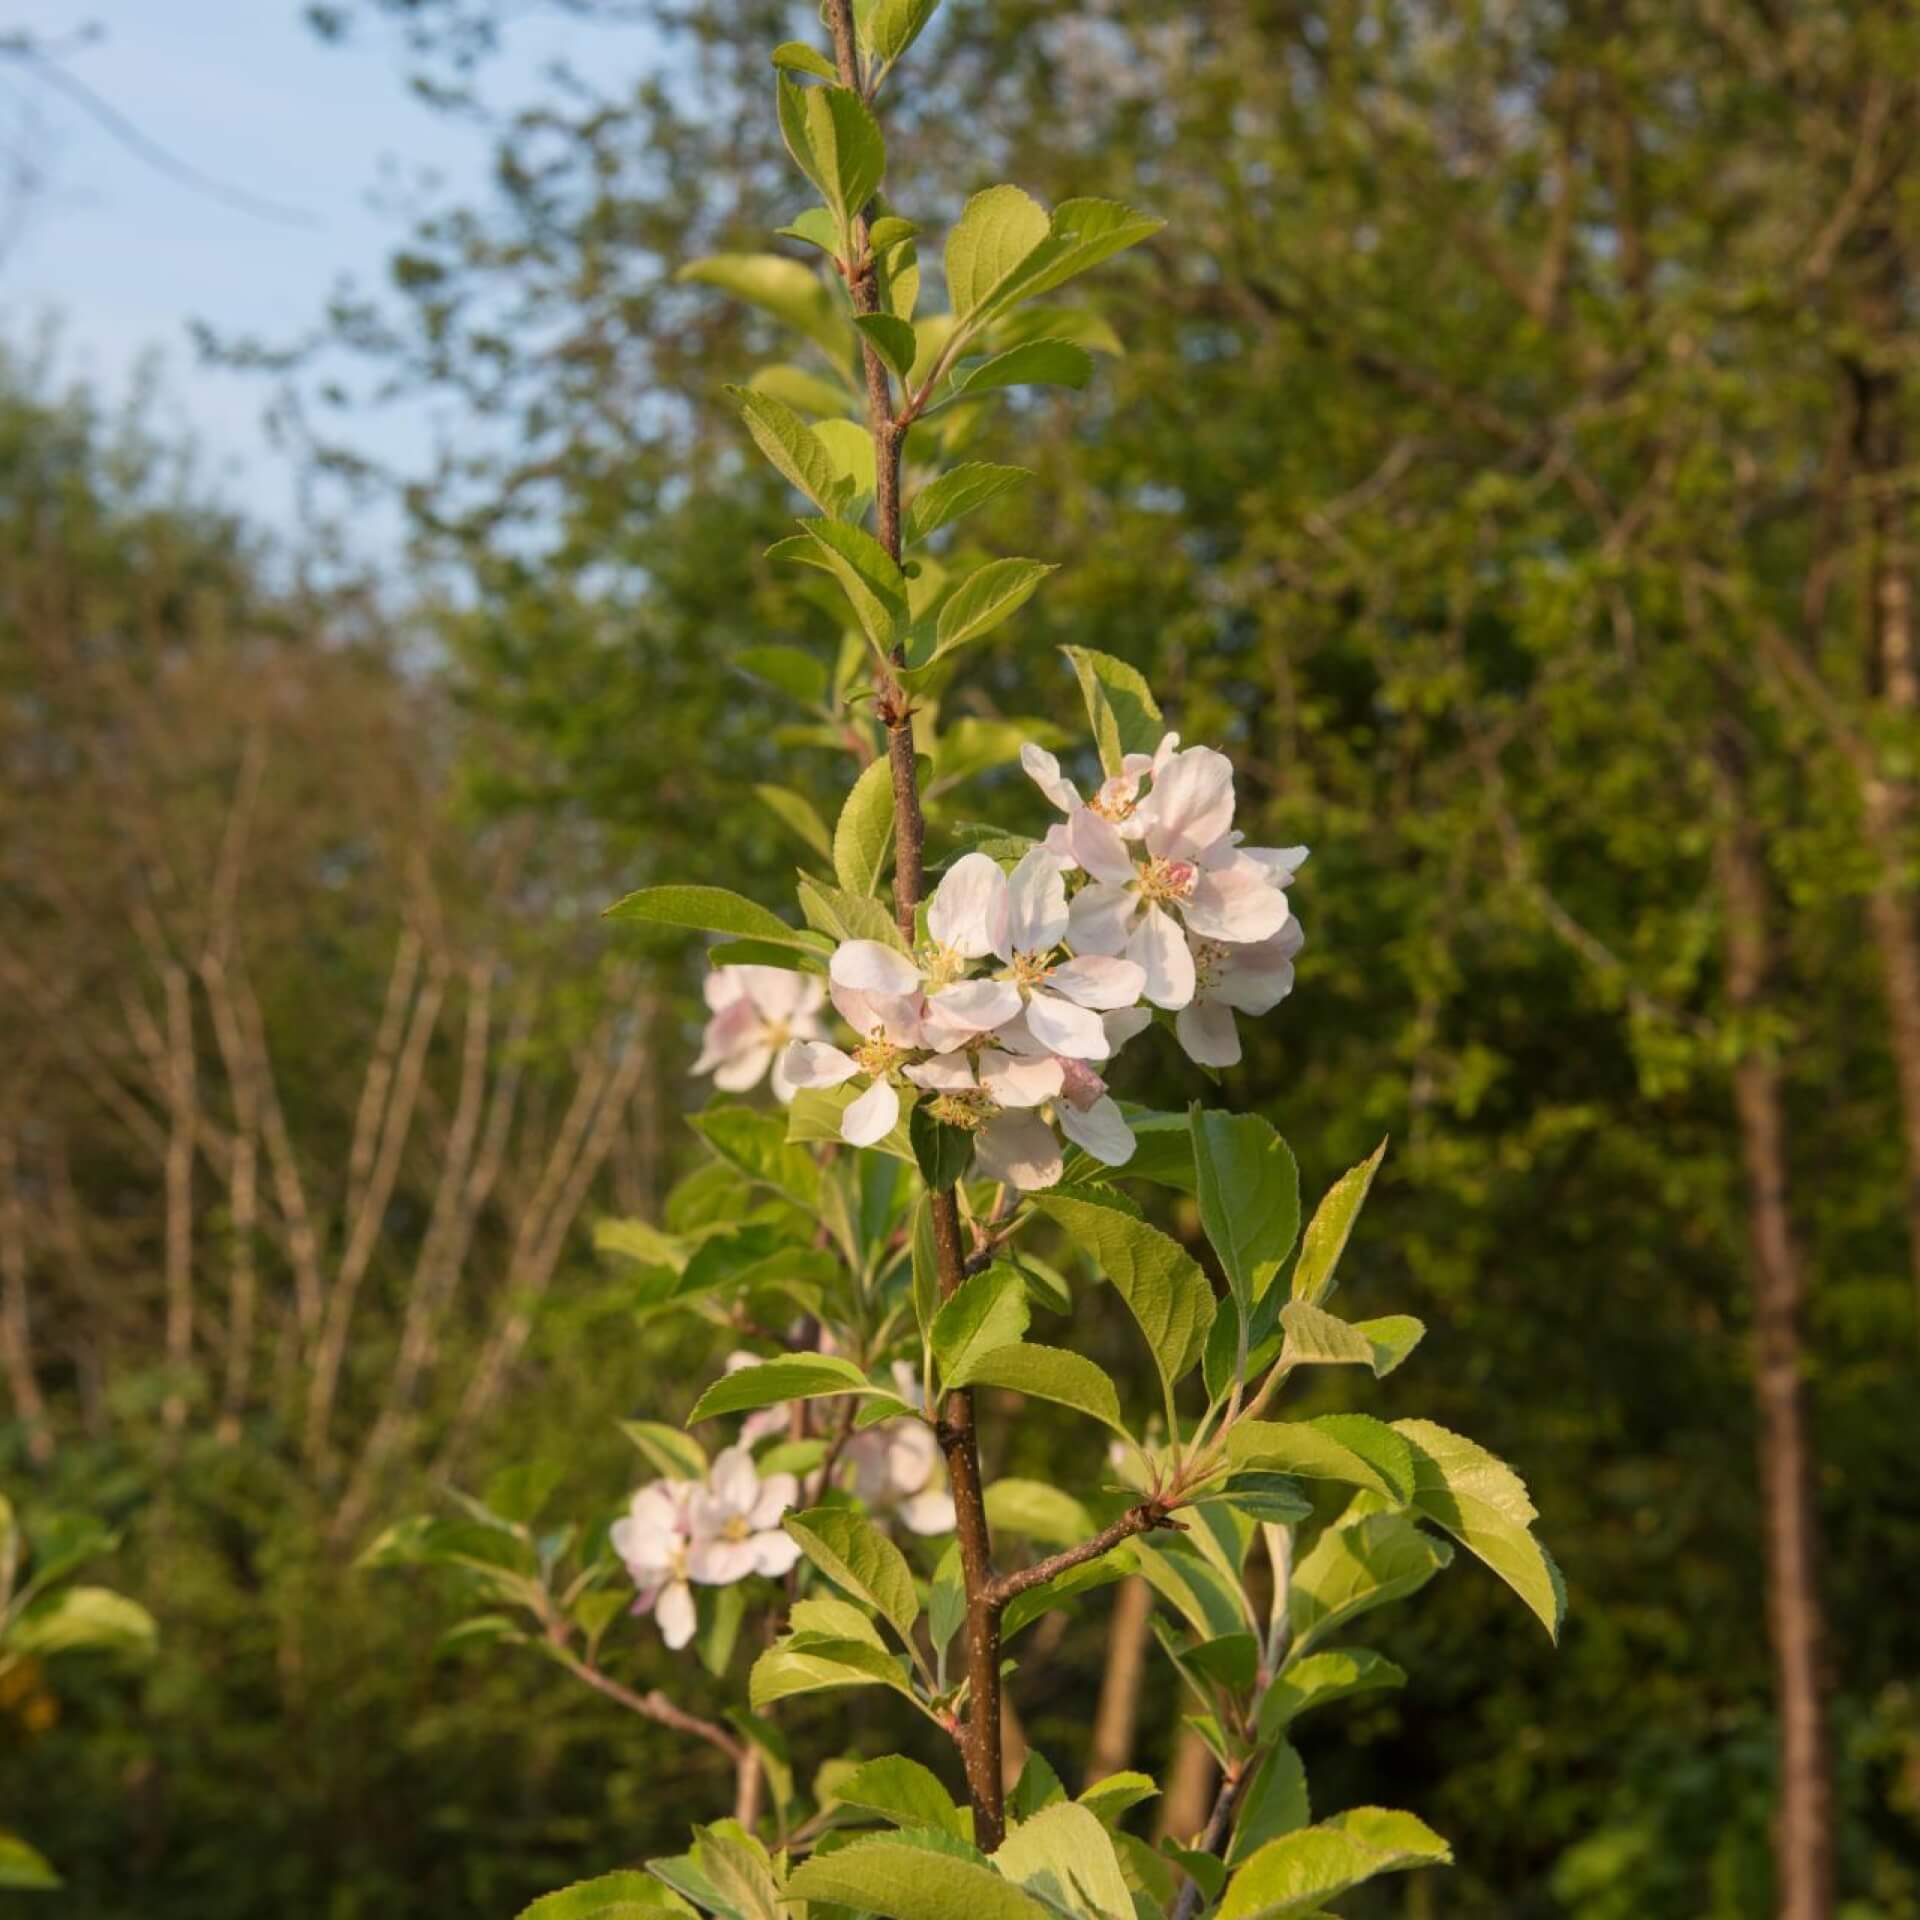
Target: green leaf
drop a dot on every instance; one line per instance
(1065, 1856)
(834, 142)
(942, 1152)
(894, 1878)
(92, 1619)
(926, 1269)
(22, 1869)
(1322, 1678)
(1332, 1223)
(986, 1312)
(997, 231)
(756, 1143)
(1081, 234)
(959, 491)
(1275, 1499)
(1392, 1337)
(875, 588)
(852, 1552)
(804, 391)
(892, 338)
(815, 1116)
(904, 1792)
(1192, 1585)
(796, 812)
(810, 1376)
(1315, 1338)
(1053, 363)
(1354, 1447)
(1107, 1800)
(1064, 1588)
(738, 1870)
(1038, 1786)
(1160, 1282)
(846, 916)
(947, 1599)
(863, 835)
(1249, 1191)
(784, 288)
(895, 25)
(712, 910)
(792, 448)
(1484, 1504)
(850, 447)
(825, 1616)
(987, 596)
(1120, 706)
(1354, 1568)
(1037, 1511)
(795, 56)
(1295, 1875)
(887, 232)
(613, 1896)
(1051, 1373)
(820, 1666)
(1276, 1802)
(793, 670)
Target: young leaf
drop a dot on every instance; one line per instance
(791, 669)
(887, 232)
(1052, 363)
(1117, 1794)
(792, 448)
(713, 910)
(942, 1152)
(1064, 1588)
(1354, 1568)
(904, 1792)
(756, 1143)
(987, 596)
(1353, 1447)
(834, 142)
(1322, 1339)
(789, 1667)
(1483, 1503)
(784, 288)
(795, 56)
(894, 25)
(1120, 706)
(1299, 1873)
(93, 1619)
(846, 916)
(891, 338)
(1249, 1191)
(874, 586)
(1162, 1286)
(810, 1376)
(613, 1896)
(1328, 1231)
(1081, 234)
(795, 812)
(803, 391)
(852, 1552)
(986, 1312)
(850, 447)
(994, 235)
(863, 835)
(1038, 1511)
(677, 1455)
(956, 492)
(1321, 1679)
(1051, 1373)
(1275, 1803)
(1393, 1337)
(892, 1877)
(1064, 1855)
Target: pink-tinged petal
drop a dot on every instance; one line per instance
(1058, 1024)
(1101, 918)
(765, 1424)
(870, 967)
(778, 1491)
(871, 1117)
(974, 1006)
(1101, 1130)
(1036, 905)
(944, 1073)
(1255, 979)
(928, 1513)
(1098, 847)
(1014, 1081)
(1236, 903)
(733, 1480)
(894, 1017)
(677, 1615)
(1102, 981)
(1282, 862)
(782, 1085)
(1020, 1149)
(774, 1553)
(1161, 949)
(1207, 1033)
(643, 1552)
(731, 1028)
(1191, 805)
(1059, 843)
(1044, 771)
(969, 909)
(812, 1063)
(719, 1563)
(780, 992)
(724, 988)
(745, 1069)
(1124, 1025)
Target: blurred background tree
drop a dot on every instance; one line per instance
(1510, 465)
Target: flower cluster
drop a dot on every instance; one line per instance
(679, 1533)
(753, 1015)
(1029, 982)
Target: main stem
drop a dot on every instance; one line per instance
(980, 1744)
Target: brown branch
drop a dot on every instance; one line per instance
(1146, 1516)
(653, 1705)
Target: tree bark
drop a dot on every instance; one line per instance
(1803, 1822)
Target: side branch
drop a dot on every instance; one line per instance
(1148, 1517)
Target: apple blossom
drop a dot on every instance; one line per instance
(897, 1465)
(1250, 978)
(653, 1537)
(736, 1522)
(755, 1012)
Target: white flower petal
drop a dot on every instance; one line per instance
(812, 1063)
(1256, 979)
(1125, 1024)
(1016, 1081)
(1099, 848)
(1099, 980)
(895, 1017)
(778, 1491)
(1036, 905)
(928, 1513)
(955, 1014)
(1191, 805)
(774, 1553)
(870, 967)
(1237, 902)
(1059, 1025)
(969, 909)
(1207, 1033)
(745, 1069)
(1158, 945)
(1282, 862)
(733, 1480)
(871, 1117)
(1102, 1130)
(719, 1563)
(780, 992)
(912, 1455)
(1020, 1149)
(1044, 771)
(944, 1073)
(731, 1028)
(676, 1614)
(1101, 918)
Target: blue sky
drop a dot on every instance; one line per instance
(241, 91)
